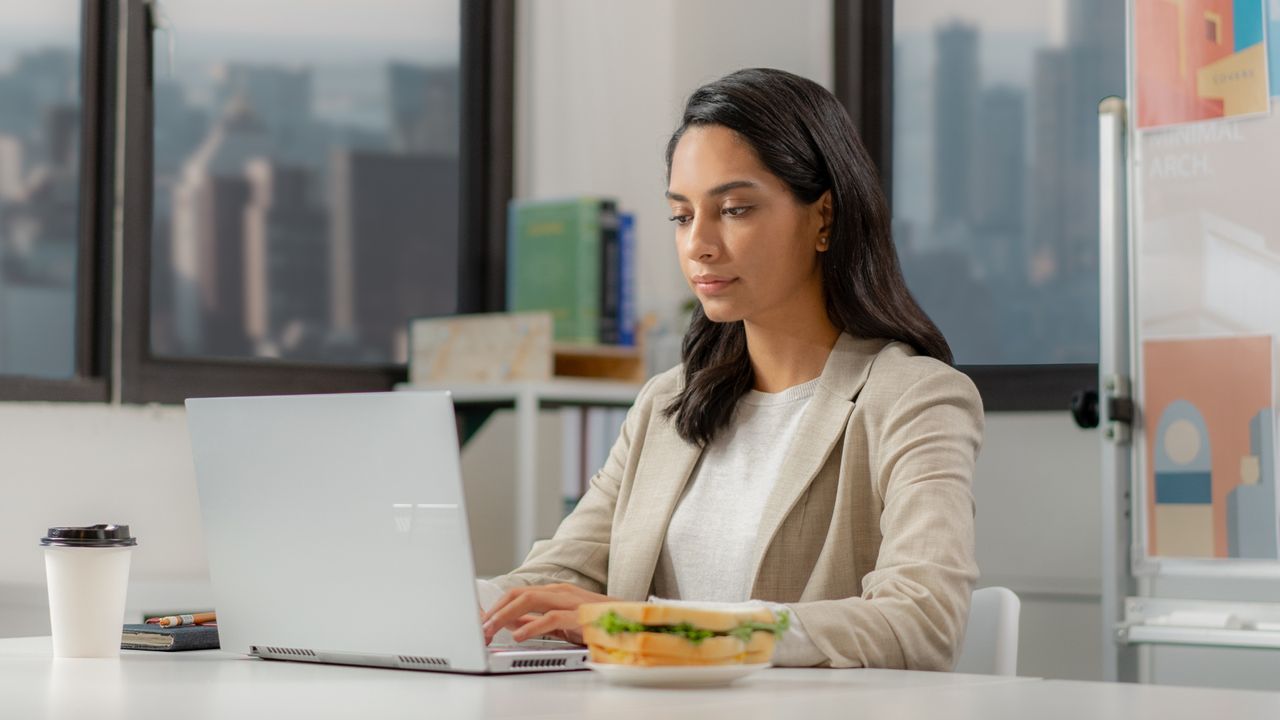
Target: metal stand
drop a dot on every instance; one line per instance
(1115, 409)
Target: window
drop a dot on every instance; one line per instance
(40, 171)
(300, 190)
(52, 278)
(305, 187)
(233, 202)
(991, 152)
(1213, 27)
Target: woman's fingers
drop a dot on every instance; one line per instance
(531, 600)
(514, 594)
(514, 609)
(505, 616)
(547, 623)
(501, 602)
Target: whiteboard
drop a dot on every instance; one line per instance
(1204, 219)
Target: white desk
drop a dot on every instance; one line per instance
(143, 686)
(527, 398)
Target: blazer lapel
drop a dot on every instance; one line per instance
(666, 463)
(821, 426)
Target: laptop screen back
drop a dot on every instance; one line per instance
(337, 523)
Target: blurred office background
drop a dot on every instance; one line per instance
(305, 176)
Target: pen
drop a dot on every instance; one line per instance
(176, 620)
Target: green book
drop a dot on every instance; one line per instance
(554, 260)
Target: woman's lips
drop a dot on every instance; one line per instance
(712, 286)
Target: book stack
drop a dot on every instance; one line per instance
(574, 258)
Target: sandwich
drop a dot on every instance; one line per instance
(637, 633)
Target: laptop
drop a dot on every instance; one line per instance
(337, 533)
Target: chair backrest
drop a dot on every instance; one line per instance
(991, 640)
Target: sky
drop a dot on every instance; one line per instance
(992, 15)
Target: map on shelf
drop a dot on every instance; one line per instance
(488, 348)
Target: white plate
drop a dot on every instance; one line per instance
(674, 675)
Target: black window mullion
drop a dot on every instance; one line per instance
(93, 311)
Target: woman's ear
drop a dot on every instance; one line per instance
(825, 214)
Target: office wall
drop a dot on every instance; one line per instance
(600, 87)
(63, 464)
(1039, 515)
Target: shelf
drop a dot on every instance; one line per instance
(1147, 621)
(1213, 637)
(559, 391)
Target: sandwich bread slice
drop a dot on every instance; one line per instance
(637, 633)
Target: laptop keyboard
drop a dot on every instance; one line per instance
(535, 645)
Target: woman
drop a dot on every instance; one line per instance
(815, 449)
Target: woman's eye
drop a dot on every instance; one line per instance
(680, 219)
(736, 211)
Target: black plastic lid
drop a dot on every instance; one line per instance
(93, 536)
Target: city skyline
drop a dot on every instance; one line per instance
(39, 212)
(274, 216)
(242, 232)
(998, 177)
(1021, 221)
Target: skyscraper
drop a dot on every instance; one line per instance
(394, 254)
(11, 181)
(1051, 137)
(425, 107)
(1068, 83)
(280, 96)
(281, 99)
(286, 263)
(38, 248)
(957, 81)
(998, 179)
(209, 204)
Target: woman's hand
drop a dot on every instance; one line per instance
(539, 610)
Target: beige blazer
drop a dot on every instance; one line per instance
(867, 534)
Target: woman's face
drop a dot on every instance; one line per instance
(748, 248)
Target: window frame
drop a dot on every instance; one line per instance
(486, 65)
(88, 382)
(863, 78)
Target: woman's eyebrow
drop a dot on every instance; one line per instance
(717, 190)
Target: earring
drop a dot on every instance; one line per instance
(822, 242)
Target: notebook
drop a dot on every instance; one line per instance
(182, 637)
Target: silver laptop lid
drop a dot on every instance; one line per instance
(336, 523)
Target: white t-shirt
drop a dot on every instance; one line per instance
(713, 530)
(712, 536)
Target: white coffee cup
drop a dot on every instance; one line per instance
(88, 573)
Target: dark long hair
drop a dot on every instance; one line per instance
(803, 136)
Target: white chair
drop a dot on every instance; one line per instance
(991, 640)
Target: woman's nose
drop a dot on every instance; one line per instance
(701, 243)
